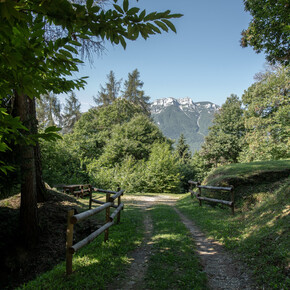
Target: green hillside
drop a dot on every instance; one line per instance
(259, 231)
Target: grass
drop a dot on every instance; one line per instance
(95, 265)
(244, 171)
(260, 232)
(173, 264)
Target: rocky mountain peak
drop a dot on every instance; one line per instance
(176, 116)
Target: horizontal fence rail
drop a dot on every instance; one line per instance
(200, 198)
(76, 218)
(78, 190)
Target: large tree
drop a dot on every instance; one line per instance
(267, 119)
(72, 112)
(133, 91)
(225, 139)
(48, 111)
(32, 64)
(108, 94)
(183, 150)
(269, 29)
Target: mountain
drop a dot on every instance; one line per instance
(176, 116)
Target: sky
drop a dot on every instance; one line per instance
(203, 61)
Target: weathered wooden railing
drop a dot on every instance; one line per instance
(73, 219)
(78, 190)
(201, 198)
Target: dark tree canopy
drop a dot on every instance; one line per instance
(269, 29)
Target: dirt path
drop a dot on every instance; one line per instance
(222, 270)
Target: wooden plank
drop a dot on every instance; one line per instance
(117, 194)
(84, 190)
(104, 191)
(215, 187)
(119, 208)
(79, 217)
(198, 195)
(102, 202)
(90, 238)
(228, 203)
(119, 213)
(193, 182)
(69, 242)
(108, 220)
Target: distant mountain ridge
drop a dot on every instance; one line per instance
(176, 116)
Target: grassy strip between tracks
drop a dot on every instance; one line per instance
(173, 263)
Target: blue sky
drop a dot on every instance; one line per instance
(203, 61)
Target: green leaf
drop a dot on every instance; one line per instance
(90, 3)
(95, 9)
(177, 15)
(123, 42)
(65, 52)
(142, 15)
(161, 25)
(133, 11)
(76, 43)
(170, 25)
(52, 129)
(153, 28)
(70, 48)
(118, 8)
(125, 5)
(150, 16)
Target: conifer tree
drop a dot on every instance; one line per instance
(72, 112)
(183, 149)
(108, 94)
(133, 92)
(48, 111)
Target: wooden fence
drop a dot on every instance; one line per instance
(73, 219)
(78, 190)
(201, 198)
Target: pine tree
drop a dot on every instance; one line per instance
(48, 111)
(183, 149)
(133, 92)
(72, 112)
(108, 94)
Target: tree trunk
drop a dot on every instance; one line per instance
(40, 187)
(28, 209)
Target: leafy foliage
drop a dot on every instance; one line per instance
(267, 118)
(269, 29)
(224, 142)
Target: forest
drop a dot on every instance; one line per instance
(116, 144)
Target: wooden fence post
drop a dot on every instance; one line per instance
(233, 200)
(69, 242)
(90, 203)
(199, 190)
(119, 202)
(108, 198)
